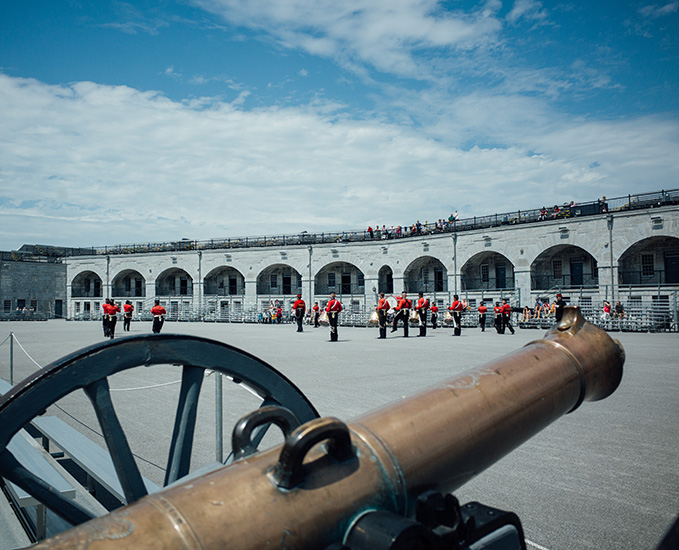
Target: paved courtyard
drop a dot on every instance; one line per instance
(602, 478)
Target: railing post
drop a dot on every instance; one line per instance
(11, 358)
(219, 427)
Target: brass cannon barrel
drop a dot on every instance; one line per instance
(304, 495)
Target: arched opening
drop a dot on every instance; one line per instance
(279, 281)
(86, 285)
(487, 271)
(564, 266)
(128, 284)
(342, 278)
(385, 280)
(650, 262)
(426, 274)
(174, 282)
(224, 281)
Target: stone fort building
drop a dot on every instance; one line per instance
(623, 249)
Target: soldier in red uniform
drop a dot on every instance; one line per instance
(104, 321)
(299, 307)
(113, 311)
(434, 314)
(128, 309)
(158, 313)
(333, 308)
(382, 308)
(422, 307)
(482, 316)
(456, 307)
(499, 324)
(317, 314)
(506, 316)
(402, 310)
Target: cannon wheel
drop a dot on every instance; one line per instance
(90, 368)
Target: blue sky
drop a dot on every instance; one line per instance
(157, 120)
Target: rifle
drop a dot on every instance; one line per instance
(379, 481)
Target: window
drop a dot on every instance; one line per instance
(8, 306)
(233, 284)
(595, 269)
(34, 305)
(647, 265)
(77, 308)
(557, 270)
(299, 281)
(273, 280)
(140, 307)
(485, 273)
(355, 306)
(360, 279)
(331, 280)
(425, 276)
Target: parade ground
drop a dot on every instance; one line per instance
(605, 477)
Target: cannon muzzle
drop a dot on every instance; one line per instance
(307, 495)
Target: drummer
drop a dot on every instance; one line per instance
(382, 308)
(402, 310)
(333, 309)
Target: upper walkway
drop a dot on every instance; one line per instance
(534, 215)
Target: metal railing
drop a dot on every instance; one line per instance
(531, 215)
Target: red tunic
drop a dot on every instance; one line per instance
(383, 304)
(333, 305)
(456, 306)
(434, 309)
(158, 310)
(128, 308)
(299, 304)
(506, 309)
(422, 303)
(483, 309)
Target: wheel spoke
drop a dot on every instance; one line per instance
(179, 459)
(116, 441)
(65, 508)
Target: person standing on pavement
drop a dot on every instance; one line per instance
(482, 309)
(128, 309)
(422, 307)
(299, 307)
(333, 309)
(317, 314)
(498, 323)
(113, 311)
(434, 313)
(158, 313)
(382, 308)
(456, 307)
(506, 316)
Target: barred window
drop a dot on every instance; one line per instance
(8, 306)
(273, 280)
(647, 265)
(360, 279)
(557, 269)
(485, 273)
(331, 280)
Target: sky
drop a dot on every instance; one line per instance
(151, 121)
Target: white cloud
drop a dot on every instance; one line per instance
(88, 164)
(654, 11)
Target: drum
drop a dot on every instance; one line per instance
(448, 318)
(393, 302)
(323, 319)
(374, 319)
(414, 318)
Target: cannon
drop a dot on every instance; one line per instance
(382, 480)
